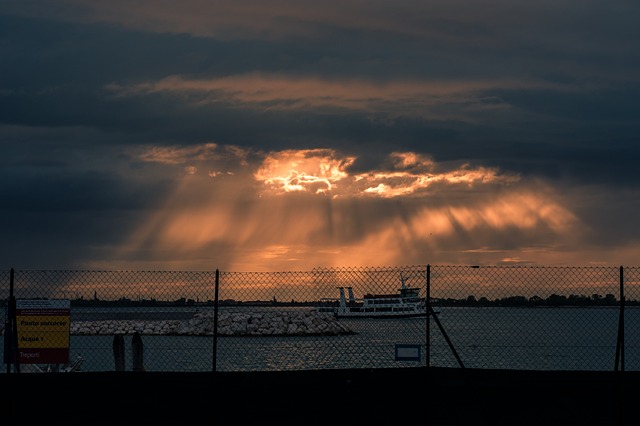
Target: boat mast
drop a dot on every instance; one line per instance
(403, 280)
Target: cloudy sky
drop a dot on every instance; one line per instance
(254, 135)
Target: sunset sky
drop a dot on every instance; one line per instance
(254, 135)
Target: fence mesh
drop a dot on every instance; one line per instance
(504, 317)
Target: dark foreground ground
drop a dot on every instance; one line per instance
(394, 397)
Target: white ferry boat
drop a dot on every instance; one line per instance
(406, 303)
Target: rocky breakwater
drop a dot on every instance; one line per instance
(271, 323)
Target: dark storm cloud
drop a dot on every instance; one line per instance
(542, 90)
(58, 72)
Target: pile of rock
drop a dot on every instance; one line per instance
(270, 323)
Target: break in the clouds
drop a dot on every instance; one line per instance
(280, 135)
(323, 172)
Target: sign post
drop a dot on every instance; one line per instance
(43, 331)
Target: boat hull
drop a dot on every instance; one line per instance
(380, 315)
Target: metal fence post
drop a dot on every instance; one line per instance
(620, 340)
(428, 301)
(215, 323)
(9, 352)
(14, 351)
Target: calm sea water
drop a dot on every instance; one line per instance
(502, 338)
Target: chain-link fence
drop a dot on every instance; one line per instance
(493, 317)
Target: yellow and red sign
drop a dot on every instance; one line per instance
(43, 330)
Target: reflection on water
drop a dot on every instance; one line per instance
(511, 338)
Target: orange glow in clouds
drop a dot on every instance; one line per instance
(321, 171)
(302, 209)
(267, 91)
(302, 170)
